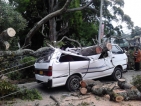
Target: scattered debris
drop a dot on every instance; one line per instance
(53, 98)
(117, 92)
(79, 98)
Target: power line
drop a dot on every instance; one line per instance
(17, 66)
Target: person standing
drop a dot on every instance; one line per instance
(137, 58)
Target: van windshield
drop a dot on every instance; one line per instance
(45, 56)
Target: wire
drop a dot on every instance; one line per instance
(18, 70)
(17, 66)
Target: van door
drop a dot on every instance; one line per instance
(60, 70)
(118, 56)
(78, 64)
(99, 67)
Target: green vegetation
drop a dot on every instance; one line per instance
(10, 18)
(6, 88)
(24, 73)
(137, 82)
(31, 94)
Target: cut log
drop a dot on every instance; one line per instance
(7, 34)
(99, 90)
(96, 49)
(20, 52)
(83, 90)
(7, 45)
(125, 95)
(4, 45)
(124, 85)
(85, 83)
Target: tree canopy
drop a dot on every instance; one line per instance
(52, 19)
(9, 17)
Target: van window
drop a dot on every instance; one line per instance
(45, 56)
(103, 55)
(70, 58)
(116, 50)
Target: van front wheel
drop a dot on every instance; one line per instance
(117, 74)
(73, 83)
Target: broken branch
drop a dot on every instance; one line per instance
(53, 98)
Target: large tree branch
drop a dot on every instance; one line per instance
(80, 8)
(44, 20)
(69, 40)
(63, 31)
(49, 16)
(21, 52)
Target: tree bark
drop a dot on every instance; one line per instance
(5, 36)
(100, 90)
(125, 95)
(89, 83)
(48, 17)
(124, 85)
(25, 51)
(52, 22)
(44, 20)
(96, 49)
(4, 45)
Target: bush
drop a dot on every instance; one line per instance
(25, 73)
(7, 88)
(31, 94)
(28, 59)
(137, 82)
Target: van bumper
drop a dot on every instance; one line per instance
(47, 84)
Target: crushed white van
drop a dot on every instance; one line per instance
(67, 67)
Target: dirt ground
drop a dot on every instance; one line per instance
(66, 99)
(85, 100)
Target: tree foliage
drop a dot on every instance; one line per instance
(136, 31)
(73, 23)
(10, 18)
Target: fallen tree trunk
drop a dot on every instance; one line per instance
(7, 34)
(124, 85)
(117, 95)
(89, 83)
(4, 45)
(125, 95)
(85, 83)
(21, 52)
(129, 93)
(96, 49)
(100, 90)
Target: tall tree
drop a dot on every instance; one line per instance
(52, 21)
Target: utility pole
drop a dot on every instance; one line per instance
(100, 22)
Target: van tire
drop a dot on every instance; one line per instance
(73, 83)
(117, 74)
